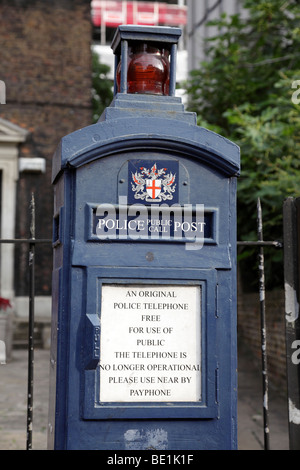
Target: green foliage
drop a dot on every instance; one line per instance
(244, 92)
(102, 93)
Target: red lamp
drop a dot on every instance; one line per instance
(148, 69)
(146, 60)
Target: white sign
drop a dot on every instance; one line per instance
(150, 346)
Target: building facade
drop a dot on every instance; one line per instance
(46, 67)
(199, 14)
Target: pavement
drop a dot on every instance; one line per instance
(250, 408)
(13, 405)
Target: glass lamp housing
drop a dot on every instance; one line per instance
(148, 69)
(145, 60)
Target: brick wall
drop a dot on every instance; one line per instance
(46, 66)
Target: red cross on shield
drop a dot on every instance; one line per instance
(153, 188)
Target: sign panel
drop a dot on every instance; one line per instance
(150, 346)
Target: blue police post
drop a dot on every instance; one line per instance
(143, 351)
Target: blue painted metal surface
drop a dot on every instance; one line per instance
(90, 168)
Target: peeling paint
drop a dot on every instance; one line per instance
(2, 353)
(291, 304)
(266, 401)
(294, 413)
(156, 439)
(262, 295)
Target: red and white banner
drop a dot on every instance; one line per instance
(114, 13)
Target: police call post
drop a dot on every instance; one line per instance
(161, 222)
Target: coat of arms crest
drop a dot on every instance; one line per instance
(154, 184)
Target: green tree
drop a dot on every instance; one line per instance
(102, 93)
(244, 92)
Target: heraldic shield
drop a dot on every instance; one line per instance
(153, 182)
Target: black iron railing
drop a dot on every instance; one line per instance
(260, 244)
